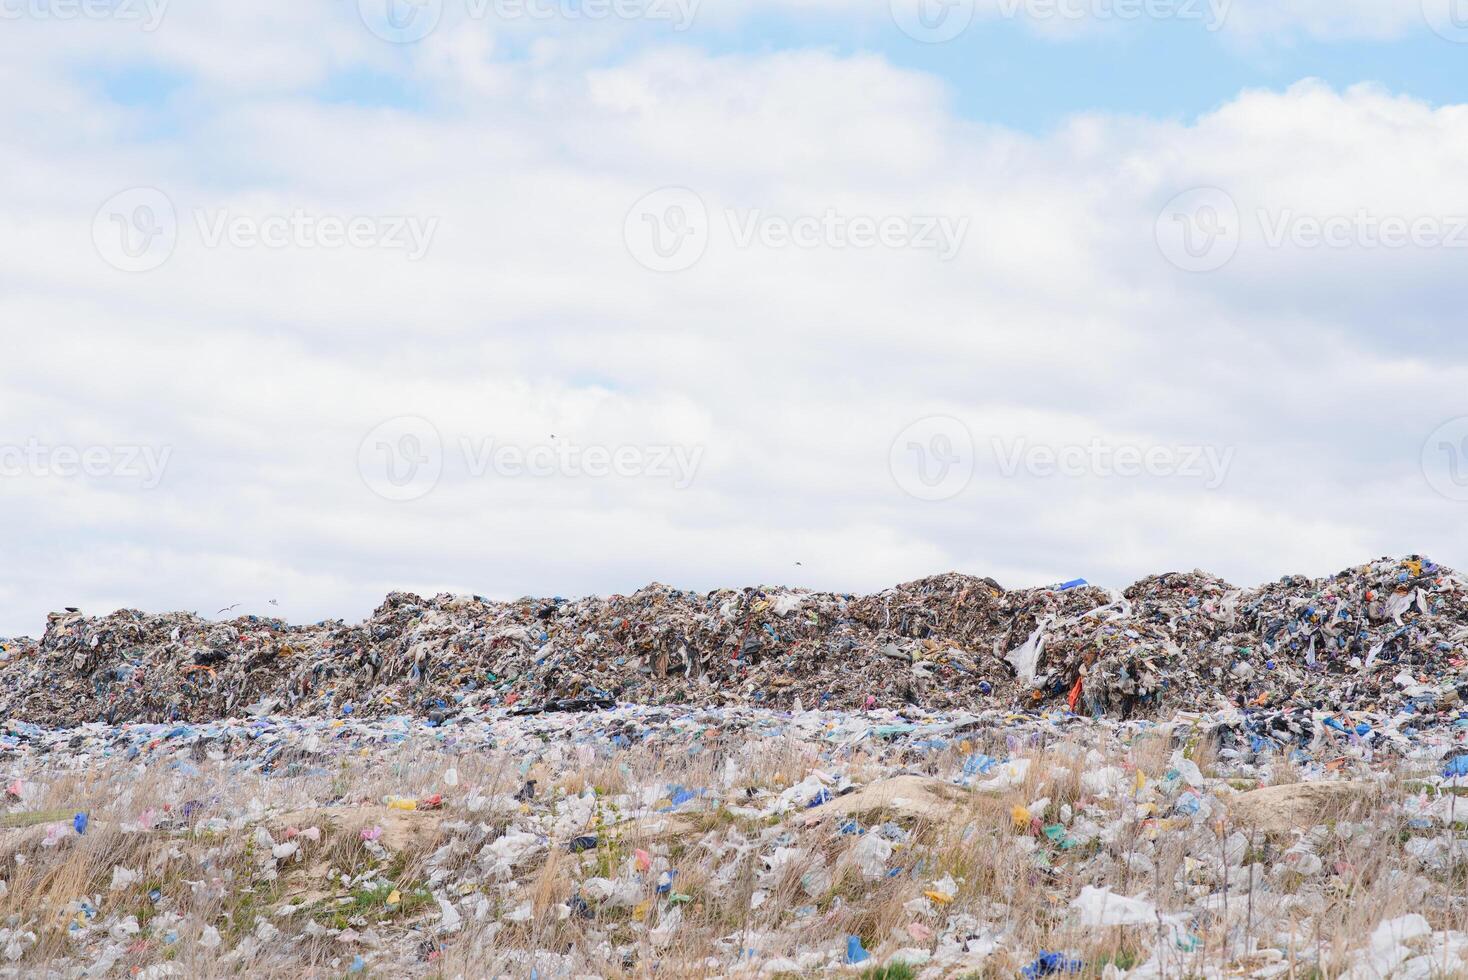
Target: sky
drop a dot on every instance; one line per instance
(303, 303)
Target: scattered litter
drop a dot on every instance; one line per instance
(1189, 774)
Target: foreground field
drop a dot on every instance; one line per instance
(643, 842)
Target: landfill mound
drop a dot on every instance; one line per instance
(1389, 635)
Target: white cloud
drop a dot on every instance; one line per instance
(1257, 21)
(791, 368)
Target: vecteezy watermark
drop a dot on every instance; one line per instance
(936, 21)
(147, 14)
(1210, 13)
(401, 21)
(941, 233)
(404, 459)
(933, 458)
(33, 458)
(1362, 229)
(566, 458)
(678, 14)
(302, 229)
(1200, 230)
(1098, 458)
(1445, 458)
(669, 230)
(1447, 18)
(410, 21)
(138, 230)
(932, 21)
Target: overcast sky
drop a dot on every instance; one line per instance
(308, 302)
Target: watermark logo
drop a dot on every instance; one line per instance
(1447, 18)
(670, 229)
(667, 230)
(136, 230)
(932, 21)
(566, 458)
(147, 14)
(401, 459)
(1199, 230)
(937, 21)
(831, 229)
(401, 21)
(1445, 459)
(1212, 14)
(933, 458)
(139, 229)
(405, 458)
(1362, 230)
(409, 234)
(678, 14)
(1097, 458)
(144, 465)
(410, 21)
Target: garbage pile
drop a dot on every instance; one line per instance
(727, 842)
(1391, 635)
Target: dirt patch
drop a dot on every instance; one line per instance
(412, 831)
(1277, 809)
(912, 798)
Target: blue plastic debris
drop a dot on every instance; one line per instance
(1047, 963)
(822, 796)
(679, 795)
(79, 822)
(854, 951)
(1457, 767)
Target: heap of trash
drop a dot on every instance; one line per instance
(733, 842)
(1388, 636)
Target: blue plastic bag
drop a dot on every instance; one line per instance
(1048, 963)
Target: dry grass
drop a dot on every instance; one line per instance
(193, 836)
